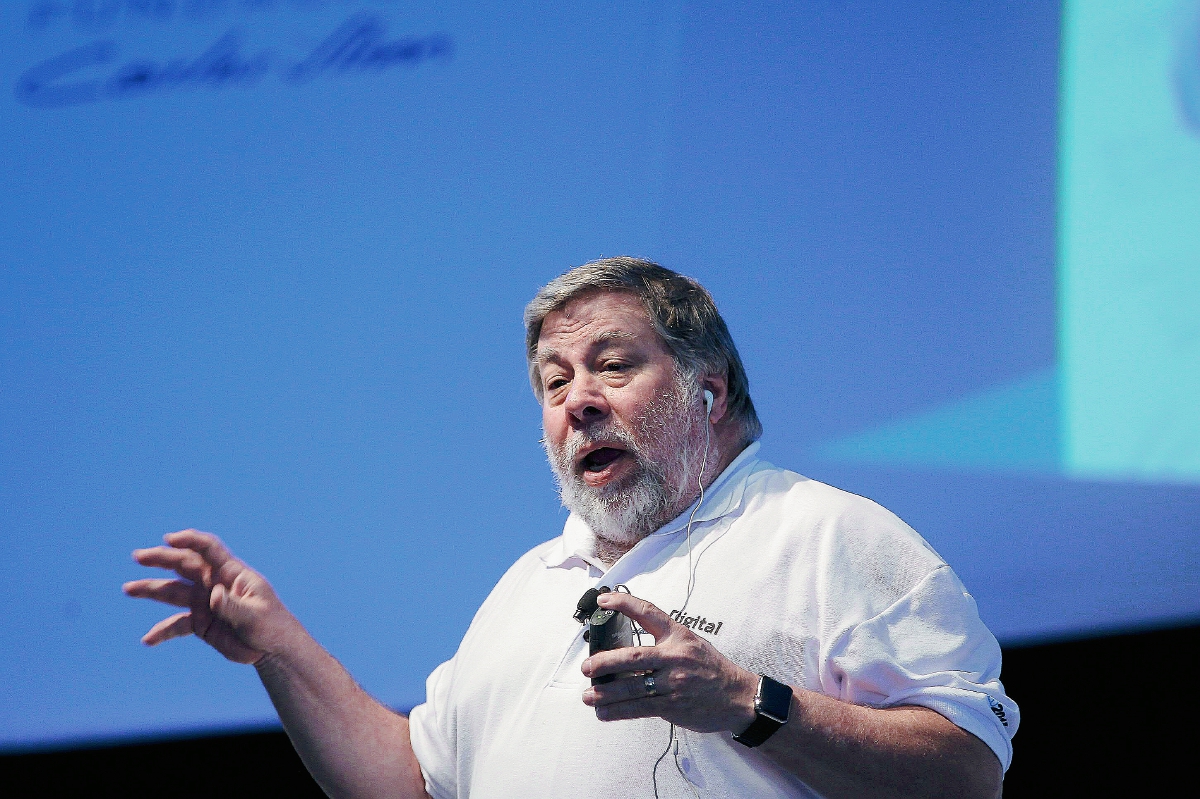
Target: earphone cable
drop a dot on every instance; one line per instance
(692, 517)
(686, 599)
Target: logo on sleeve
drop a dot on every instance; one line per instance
(998, 709)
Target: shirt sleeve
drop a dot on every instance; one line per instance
(929, 648)
(430, 730)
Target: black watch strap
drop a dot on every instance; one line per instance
(771, 706)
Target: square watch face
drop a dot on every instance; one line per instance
(774, 699)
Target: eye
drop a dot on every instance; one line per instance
(555, 383)
(615, 366)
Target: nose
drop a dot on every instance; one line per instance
(586, 402)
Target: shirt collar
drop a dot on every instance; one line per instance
(576, 544)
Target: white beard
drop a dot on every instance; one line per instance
(668, 449)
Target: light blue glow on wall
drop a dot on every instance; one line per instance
(1124, 402)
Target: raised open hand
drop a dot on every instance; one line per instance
(229, 605)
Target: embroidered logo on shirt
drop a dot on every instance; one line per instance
(998, 709)
(697, 623)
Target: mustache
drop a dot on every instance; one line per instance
(602, 433)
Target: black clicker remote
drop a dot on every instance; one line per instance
(606, 629)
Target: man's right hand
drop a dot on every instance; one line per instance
(229, 605)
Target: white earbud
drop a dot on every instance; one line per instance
(708, 400)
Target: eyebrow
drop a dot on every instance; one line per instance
(549, 354)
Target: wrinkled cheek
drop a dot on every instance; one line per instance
(555, 453)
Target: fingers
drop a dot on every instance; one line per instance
(618, 661)
(644, 708)
(198, 556)
(633, 658)
(694, 685)
(653, 620)
(172, 592)
(630, 698)
(208, 545)
(628, 689)
(175, 626)
(184, 562)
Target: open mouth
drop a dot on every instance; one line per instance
(598, 459)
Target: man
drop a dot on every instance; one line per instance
(805, 641)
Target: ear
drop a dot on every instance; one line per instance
(719, 387)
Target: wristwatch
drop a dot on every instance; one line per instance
(771, 706)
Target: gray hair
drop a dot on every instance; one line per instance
(681, 311)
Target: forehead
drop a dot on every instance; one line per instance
(597, 316)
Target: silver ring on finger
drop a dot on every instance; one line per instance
(648, 681)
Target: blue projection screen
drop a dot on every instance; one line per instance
(265, 261)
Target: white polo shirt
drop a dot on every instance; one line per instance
(811, 585)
